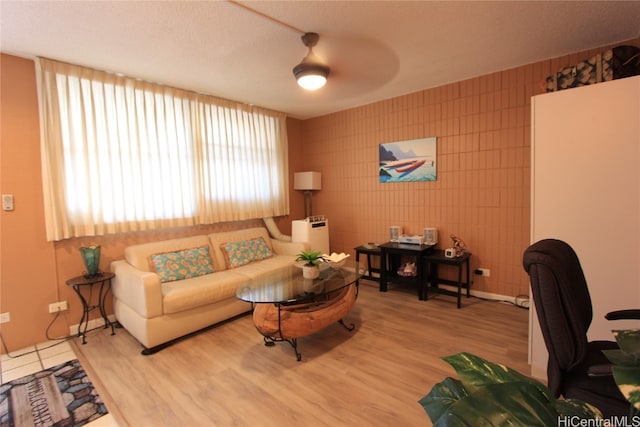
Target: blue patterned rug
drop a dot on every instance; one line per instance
(61, 396)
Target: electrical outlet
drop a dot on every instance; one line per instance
(5, 317)
(7, 202)
(484, 272)
(58, 306)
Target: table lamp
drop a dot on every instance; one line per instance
(307, 182)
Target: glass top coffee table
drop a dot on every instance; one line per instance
(287, 306)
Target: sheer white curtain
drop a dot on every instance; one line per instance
(240, 147)
(120, 154)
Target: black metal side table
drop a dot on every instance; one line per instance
(80, 282)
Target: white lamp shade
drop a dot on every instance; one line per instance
(307, 181)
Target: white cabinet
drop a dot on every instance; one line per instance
(585, 190)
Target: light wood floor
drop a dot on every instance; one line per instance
(372, 376)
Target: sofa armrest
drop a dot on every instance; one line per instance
(140, 290)
(281, 247)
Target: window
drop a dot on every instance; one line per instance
(120, 155)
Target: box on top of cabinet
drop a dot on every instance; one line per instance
(616, 63)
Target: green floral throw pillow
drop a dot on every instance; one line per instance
(182, 264)
(240, 253)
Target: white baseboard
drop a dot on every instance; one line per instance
(490, 296)
(93, 324)
(524, 303)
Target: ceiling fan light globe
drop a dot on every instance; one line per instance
(310, 75)
(312, 81)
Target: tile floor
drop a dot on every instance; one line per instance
(43, 356)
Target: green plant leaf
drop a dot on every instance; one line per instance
(501, 404)
(489, 394)
(619, 357)
(629, 341)
(442, 396)
(475, 372)
(628, 380)
(311, 257)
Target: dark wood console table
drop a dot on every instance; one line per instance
(427, 278)
(369, 250)
(390, 254)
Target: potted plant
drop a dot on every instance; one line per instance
(626, 369)
(489, 394)
(311, 260)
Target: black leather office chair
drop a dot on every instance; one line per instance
(577, 368)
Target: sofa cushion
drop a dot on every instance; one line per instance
(237, 254)
(198, 291)
(182, 264)
(256, 270)
(217, 239)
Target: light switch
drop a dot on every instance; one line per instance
(7, 202)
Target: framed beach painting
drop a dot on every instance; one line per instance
(407, 161)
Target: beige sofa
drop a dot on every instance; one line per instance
(157, 312)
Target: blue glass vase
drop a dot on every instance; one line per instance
(91, 258)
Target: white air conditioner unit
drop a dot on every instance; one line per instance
(314, 231)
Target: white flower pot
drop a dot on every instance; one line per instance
(310, 271)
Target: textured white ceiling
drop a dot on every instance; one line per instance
(376, 49)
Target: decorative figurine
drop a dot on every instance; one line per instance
(458, 245)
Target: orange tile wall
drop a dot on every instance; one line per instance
(482, 192)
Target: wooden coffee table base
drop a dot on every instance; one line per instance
(278, 322)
